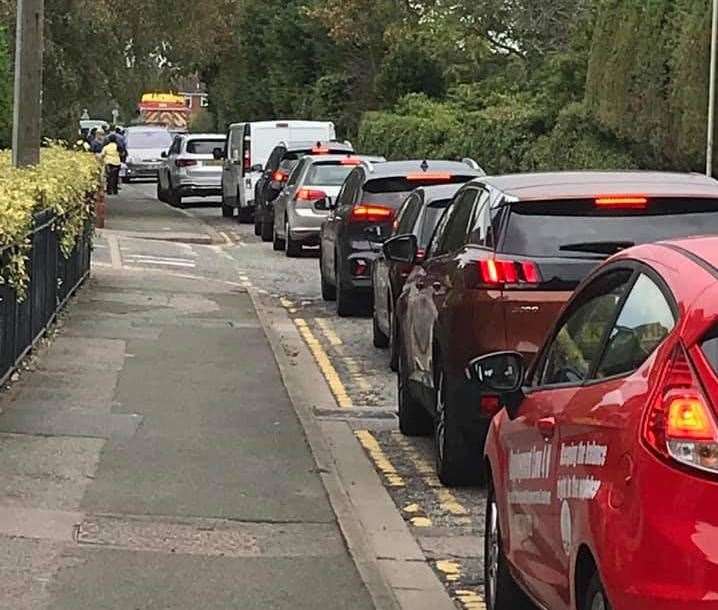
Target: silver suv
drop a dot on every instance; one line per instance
(304, 204)
(145, 144)
(192, 167)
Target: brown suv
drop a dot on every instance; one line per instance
(505, 257)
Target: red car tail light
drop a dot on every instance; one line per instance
(320, 150)
(430, 177)
(280, 176)
(369, 212)
(489, 405)
(305, 194)
(499, 272)
(351, 161)
(680, 424)
(185, 162)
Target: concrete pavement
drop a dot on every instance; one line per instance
(152, 459)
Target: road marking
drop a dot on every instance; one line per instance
(286, 303)
(447, 500)
(420, 521)
(328, 332)
(164, 263)
(366, 438)
(470, 600)
(115, 254)
(419, 518)
(450, 568)
(327, 368)
(151, 257)
(357, 374)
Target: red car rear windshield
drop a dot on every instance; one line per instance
(393, 191)
(578, 228)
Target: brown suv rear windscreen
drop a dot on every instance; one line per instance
(585, 229)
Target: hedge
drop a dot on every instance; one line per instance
(62, 183)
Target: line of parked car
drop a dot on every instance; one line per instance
(556, 333)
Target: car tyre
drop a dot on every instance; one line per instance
(293, 248)
(596, 598)
(414, 419)
(346, 299)
(329, 291)
(227, 210)
(501, 591)
(267, 231)
(125, 180)
(174, 198)
(257, 227)
(277, 243)
(457, 464)
(381, 340)
(161, 195)
(245, 215)
(394, 343)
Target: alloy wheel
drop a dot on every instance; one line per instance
(440, 417)
(492, 559)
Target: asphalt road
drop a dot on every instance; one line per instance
(448, 524)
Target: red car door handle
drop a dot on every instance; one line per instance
(547, 427)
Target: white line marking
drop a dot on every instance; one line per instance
(115, 254)
(166, 263)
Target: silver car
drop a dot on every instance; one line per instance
(192, 168)
(304, 204)
(145, 145)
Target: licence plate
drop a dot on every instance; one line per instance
(213, 162)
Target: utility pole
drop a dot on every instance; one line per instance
(712, 90)
(27, 110)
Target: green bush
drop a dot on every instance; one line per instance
(62, 183)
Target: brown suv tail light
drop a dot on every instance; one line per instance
(499, 272)
(185, 162)
(680, 424)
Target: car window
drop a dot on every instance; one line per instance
(455, 232)
(328, 174)
(350, 191)
(481, 232)
(176, 146)
(408, 214)
(439, 231)
(430, 218)
(203, 147)
(577, 344)
(644, 322)
(148, 139)
(275, 158)
(296, 169)
(236, 138)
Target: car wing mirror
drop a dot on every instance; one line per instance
(322, 204)
(500, 374)
(258, 168)
(401, 249)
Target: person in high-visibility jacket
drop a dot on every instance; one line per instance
(110, 156)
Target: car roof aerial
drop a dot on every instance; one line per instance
(589, 184)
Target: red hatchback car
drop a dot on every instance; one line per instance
(603, 462)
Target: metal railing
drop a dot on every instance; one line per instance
(53, 280)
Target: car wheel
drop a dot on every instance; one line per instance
(257, 226)
(414, 419)
(125, 180)
(456, 463)
(174, 197)
(161, 192)
(277, 243)
(329, 291)
(346, 299)
(227, 210)
(596, 598)
(393, 342)
(380, 339)
(293, 248)
(267, 231)
(500, 589)
(245, 215)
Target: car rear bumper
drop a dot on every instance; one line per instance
(357, 270)
(142, 170)
(200, 190)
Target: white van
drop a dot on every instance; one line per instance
(247, 151)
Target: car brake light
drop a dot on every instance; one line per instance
(320, 150)
(429, 176)
(247, 156)
(351, 161)
(185, 162)
(368, 212)
(489, 405)
(305, 194)
(629, 202)
(497, 272)
(280, 176)
(679, 424)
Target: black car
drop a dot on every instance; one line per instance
(362, 218)
(418, 216)
(282, 161)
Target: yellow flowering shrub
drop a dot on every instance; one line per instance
(64, 183)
